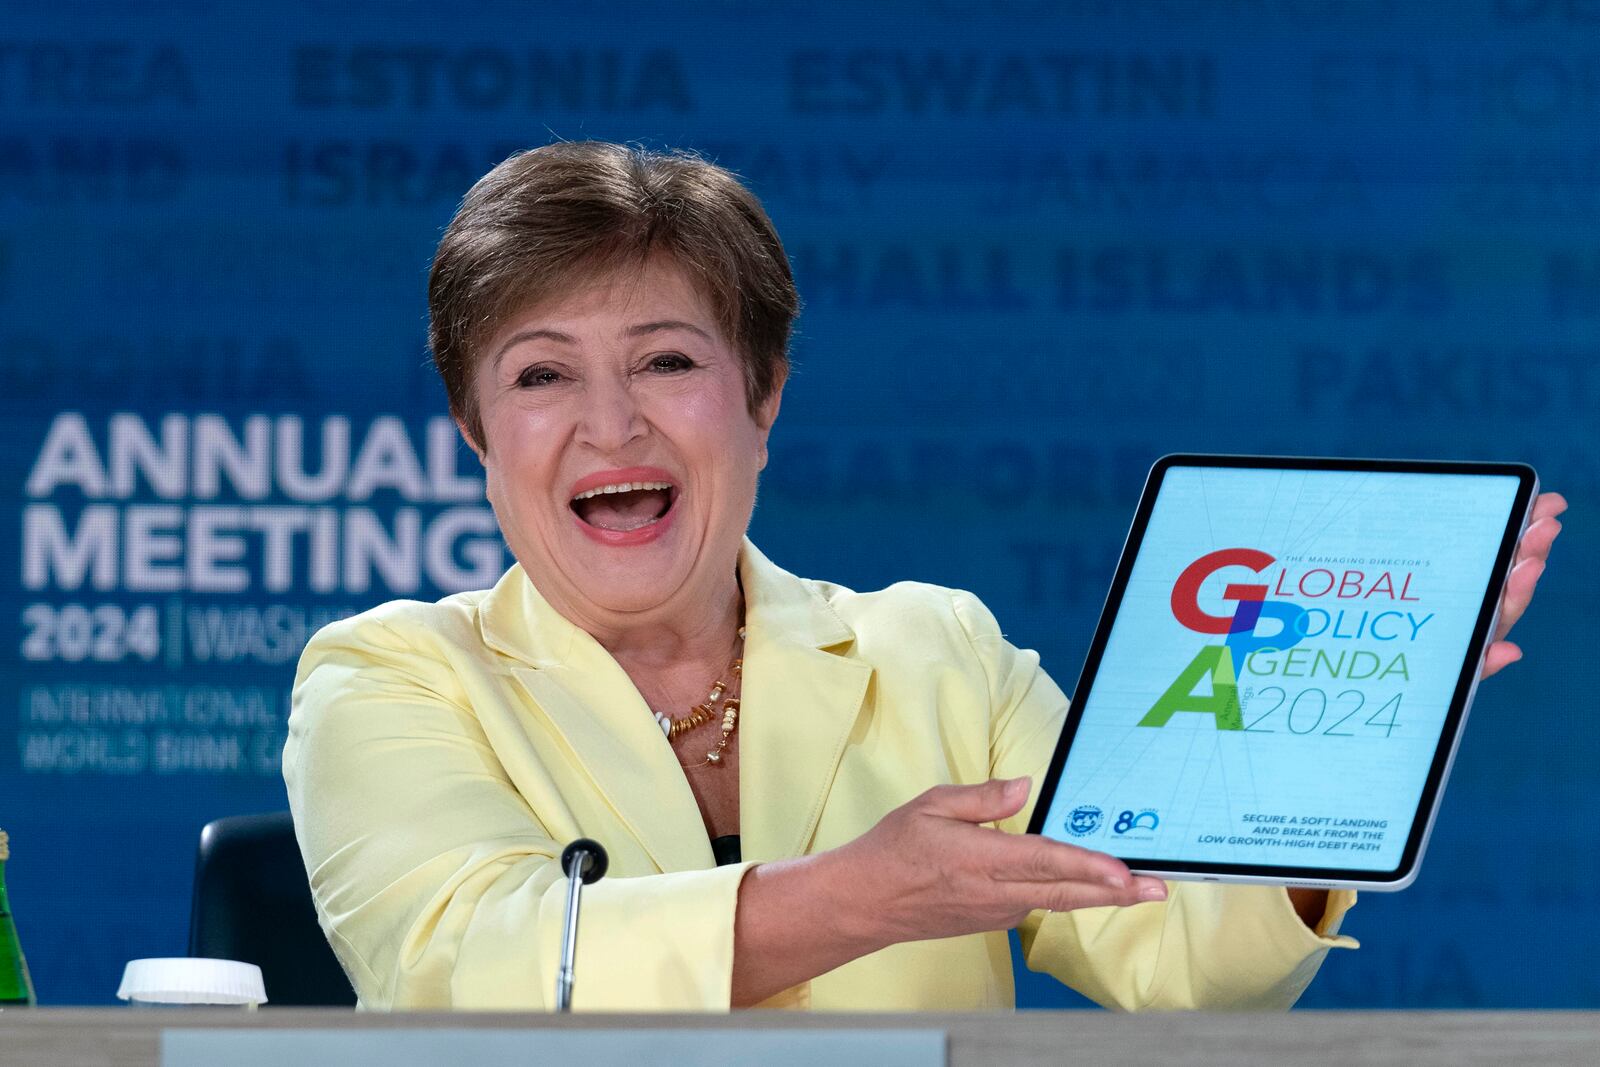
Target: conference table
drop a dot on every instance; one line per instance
(178, 1037)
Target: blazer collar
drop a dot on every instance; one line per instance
(801, 695)
(519, 622)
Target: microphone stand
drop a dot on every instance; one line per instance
(584, 861)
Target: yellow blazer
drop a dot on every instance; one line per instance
(441, 755)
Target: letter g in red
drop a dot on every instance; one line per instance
(1186, 590)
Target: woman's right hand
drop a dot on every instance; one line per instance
(928, 869)
(931, 868)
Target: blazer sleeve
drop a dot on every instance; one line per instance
(1206, 946)
(437, 885)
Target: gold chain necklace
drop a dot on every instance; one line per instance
(706, 710)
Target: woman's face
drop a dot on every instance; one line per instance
(620, 453)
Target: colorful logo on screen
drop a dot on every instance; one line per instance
(1260, 632)
(1218, 662)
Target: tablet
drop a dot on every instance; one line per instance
(1283, 668)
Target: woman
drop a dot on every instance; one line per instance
(611, 327)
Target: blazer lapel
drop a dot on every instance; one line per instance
(597, 710)
(801, 699)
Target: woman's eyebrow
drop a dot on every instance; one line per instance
(533, 335)
(666, 324)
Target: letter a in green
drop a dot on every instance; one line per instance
(1223, 702)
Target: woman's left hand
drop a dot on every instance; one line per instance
(1532, 551)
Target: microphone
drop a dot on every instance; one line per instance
(584, 862)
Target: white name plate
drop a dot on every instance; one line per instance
(598, 1047)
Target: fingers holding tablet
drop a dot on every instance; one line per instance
(935, 869)
(1532, 551)
(1055, 872)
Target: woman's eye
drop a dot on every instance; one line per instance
(669, 362)
(537, 376)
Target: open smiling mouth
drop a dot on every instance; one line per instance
(626, 507)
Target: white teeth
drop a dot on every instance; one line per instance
(621, 487)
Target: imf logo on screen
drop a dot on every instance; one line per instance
(1085, 820)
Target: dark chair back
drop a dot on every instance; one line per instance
(252, 903)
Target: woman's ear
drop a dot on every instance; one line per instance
(466, 435)
(766, 413)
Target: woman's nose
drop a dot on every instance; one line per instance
(610, 419)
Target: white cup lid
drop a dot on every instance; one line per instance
(192, 980)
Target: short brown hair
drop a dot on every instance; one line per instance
(550, 218)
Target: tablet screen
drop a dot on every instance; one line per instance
(1279, 672)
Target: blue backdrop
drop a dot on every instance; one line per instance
(1040, 243)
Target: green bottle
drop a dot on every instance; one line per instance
(16, 988)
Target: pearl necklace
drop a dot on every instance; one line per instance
(705, 711)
